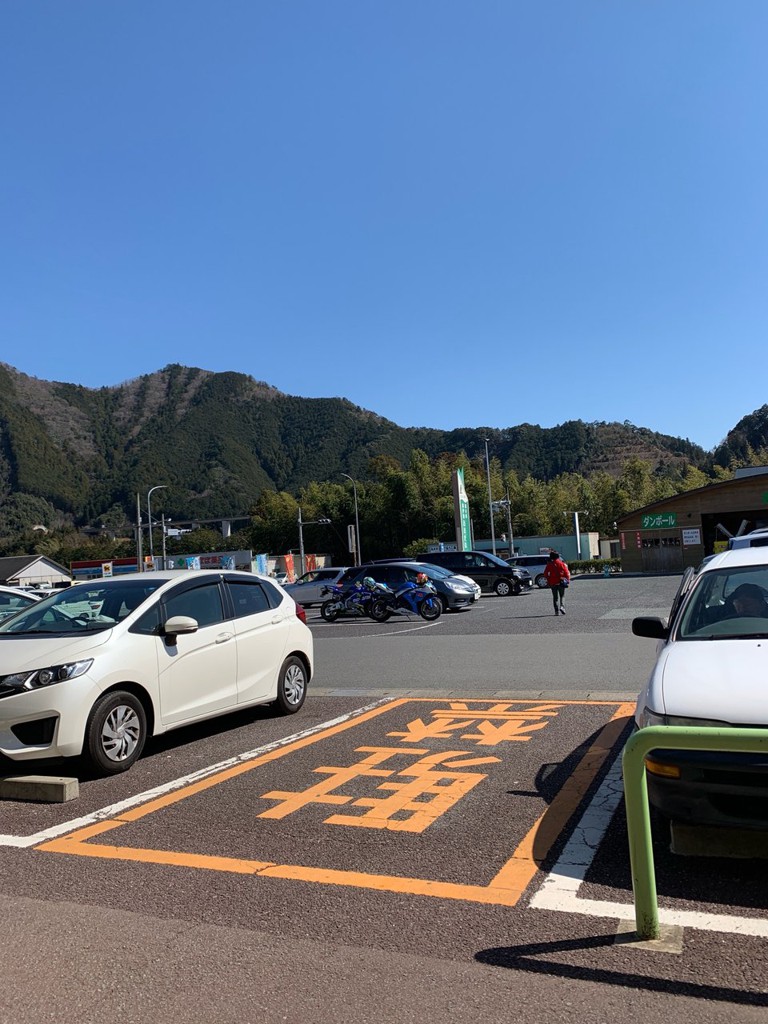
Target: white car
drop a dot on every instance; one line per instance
(711, 670)
(98, 668)
(13, 599)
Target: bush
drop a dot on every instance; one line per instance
(594, 565)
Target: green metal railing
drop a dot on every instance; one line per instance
(641, 743)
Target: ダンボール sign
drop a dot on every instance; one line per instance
(659, 521)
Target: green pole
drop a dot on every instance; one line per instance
(665, 737)
(640, 840)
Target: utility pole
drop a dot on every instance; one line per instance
(507, 504)
(490, 499)
(301, 545)
(157, 487)
(139, 554)
(302, 524)
(358, 555)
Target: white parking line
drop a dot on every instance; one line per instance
(560, 889)
(399, 632)
(633, 613)
(168, 787)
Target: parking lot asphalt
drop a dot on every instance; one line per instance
(411, 855)
(507, 645)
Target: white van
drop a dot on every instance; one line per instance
(534, 564)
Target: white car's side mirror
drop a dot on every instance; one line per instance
(178, 624)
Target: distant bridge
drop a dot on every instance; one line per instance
(224, 521)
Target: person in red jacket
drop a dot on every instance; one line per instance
(558, 577)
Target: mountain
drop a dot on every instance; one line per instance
(219, 439)
(749, 435)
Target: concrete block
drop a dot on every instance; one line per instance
(49, 789)
(670, 938)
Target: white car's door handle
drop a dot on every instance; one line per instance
(223, 637)
(276, 619)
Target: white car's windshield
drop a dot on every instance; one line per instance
(85, 607)
(727, 604)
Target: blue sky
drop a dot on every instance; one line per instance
(453, 214)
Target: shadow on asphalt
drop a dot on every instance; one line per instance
(155, 746)
(518, 958)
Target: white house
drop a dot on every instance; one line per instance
(32, 571)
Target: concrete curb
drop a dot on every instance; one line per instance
(49, 789)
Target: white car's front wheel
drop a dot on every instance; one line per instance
(116, 732)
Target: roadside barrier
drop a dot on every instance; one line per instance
(665, 737)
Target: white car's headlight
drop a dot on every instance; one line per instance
(40, 677)
(649, 717)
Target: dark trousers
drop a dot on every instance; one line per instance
(558, 592)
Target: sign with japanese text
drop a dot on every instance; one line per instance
(660, 521)
(461, 512)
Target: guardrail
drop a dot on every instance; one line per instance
(665, 737)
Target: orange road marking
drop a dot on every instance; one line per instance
(505, 889)
(521, 867)
(247, 766)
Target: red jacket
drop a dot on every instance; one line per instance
(556, 571)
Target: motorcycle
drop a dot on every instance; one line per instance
(410, 598)
(354, 601)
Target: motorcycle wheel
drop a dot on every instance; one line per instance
(379, 611)
(329, 611)
(430, 609)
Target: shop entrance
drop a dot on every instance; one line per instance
(663, 553)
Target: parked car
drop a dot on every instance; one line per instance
(454, 593)
(755, 539)
(711, 670)
(308, 589)
(13, 600)
(39, 592)
(98, 668)
(534, 564)
(487, 570)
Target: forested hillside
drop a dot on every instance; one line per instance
(72, 456)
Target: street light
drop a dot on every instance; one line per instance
(576, 530)
(490, 499)
(302, 524)
(358, 556)
(157, 487)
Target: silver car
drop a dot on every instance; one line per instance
(308, 589)
(13, 599)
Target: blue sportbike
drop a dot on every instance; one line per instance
(417, 598)
(351, 601)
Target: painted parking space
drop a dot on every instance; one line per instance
(592, 878)
(445, 798)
